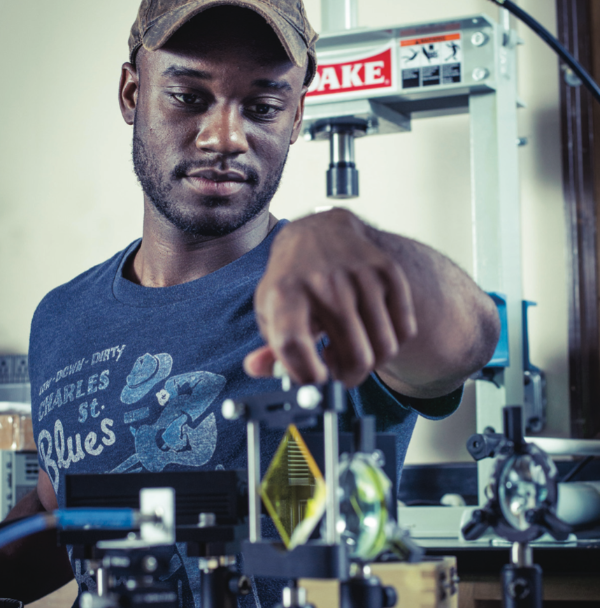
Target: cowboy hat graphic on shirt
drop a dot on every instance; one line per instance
(147, 371)
(180, 435)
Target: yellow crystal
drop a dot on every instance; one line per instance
(293, 490)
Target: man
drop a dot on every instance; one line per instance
(130, 361)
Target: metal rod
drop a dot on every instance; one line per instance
(505, 19)
(253, 430)
(101, 582)
(341, 147)
(567, 447)
(332, 510)
(521, 555)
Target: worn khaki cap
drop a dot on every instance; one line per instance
(158, 20)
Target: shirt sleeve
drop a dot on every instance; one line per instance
(396, 413)
(436, 408)
(374, 398)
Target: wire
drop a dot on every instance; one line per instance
(26, 527)
(97, 518)
(547, 37)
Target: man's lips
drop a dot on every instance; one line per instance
(216, 183)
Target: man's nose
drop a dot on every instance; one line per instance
(221, 131)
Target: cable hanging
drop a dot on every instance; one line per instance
(547, 37)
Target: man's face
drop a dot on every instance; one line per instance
(213, 123)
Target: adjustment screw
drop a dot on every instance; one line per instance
(206, 520)
(208, 564)
(86, 600)
(479, 39)
(149, 563)
(240, 586)
(480, 74)
(390, 597)
(308, 397)
(518, 589)
(293, 597)
(279, 371)
(232, 410)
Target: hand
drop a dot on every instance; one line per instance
(326, 276)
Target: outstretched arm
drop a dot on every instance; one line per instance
(386, 303)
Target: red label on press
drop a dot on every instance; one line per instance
(374, 72)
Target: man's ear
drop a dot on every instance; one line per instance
(298, 118)
(129, 86)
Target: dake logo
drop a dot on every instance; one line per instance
(374, 72)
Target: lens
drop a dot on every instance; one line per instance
(523, 486)
(364, 503)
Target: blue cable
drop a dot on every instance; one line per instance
(70, 518)
(96, 518)
(26, 527)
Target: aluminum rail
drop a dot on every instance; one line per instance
(567, 447)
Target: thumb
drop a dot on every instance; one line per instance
(259, 363)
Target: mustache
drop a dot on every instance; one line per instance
(183, 168)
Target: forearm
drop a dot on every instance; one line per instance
(34, 566)
(457, 323)
(386, 304)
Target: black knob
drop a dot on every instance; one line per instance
(390, 597)
(477, 525)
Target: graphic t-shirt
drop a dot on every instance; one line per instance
(128, 378)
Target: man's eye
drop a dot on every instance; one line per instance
(264, 110)
(189, 99)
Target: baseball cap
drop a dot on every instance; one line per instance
(158, 20)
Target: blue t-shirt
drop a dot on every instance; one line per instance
(128, 378)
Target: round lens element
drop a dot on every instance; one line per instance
(523, 486)
(364, 514)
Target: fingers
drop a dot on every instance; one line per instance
(372, 307)
(284, 317)
(400, 303)
(349, 355)
(259, 363)
(367, 315)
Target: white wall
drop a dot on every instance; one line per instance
(69, 199)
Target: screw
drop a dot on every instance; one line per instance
(479, 39)
(206, 520)
(480, 74)
(232, 410)
(280, 372)
(208, 564)
(518, 589)
(86, 600)
(570, 77)
(309, 397)
(149, 563)
(244, 586)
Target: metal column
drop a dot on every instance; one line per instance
(338, 15)
(497, 227)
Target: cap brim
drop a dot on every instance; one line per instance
(165, 26)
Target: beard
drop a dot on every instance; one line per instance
(157, 186)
